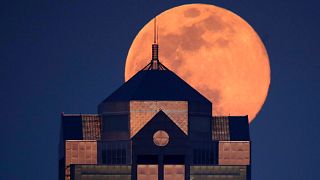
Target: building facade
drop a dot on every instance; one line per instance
(155, 126)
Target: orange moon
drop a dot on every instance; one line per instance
(214, 50)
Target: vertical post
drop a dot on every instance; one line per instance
(134, 167)
(160, 167)
(155, 31)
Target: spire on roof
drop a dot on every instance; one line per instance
(155, 47)
(155, 63)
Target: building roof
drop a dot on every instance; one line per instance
(156, 85)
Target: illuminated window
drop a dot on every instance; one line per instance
(80, 152)
(147, 172)
(234, 152)
(174, 172)
(161, 138)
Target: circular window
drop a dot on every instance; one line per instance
(161, 138)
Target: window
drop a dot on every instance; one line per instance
(203, 155)
(115, 153)
(161, 138)
(147, 172)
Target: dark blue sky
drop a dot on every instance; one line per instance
(68, 55)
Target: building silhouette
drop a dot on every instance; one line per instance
(155, 126)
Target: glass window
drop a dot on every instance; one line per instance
(174, 172)
(114, 153)
(147, 172)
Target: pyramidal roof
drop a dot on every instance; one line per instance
(156, 85)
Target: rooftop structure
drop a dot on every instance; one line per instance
(155, 126)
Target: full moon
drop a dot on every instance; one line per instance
(214, 50)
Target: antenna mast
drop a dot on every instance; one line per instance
(155, 48)
(155, 63)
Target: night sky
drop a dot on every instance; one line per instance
(68, 55)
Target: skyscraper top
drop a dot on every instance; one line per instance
(149, 83)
